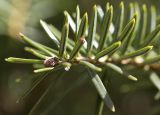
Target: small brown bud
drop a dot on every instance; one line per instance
(51, 62)
(82, 40)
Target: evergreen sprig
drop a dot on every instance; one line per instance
(99, 50)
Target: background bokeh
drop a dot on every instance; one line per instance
(130, 98)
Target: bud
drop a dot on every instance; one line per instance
(51, 62)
